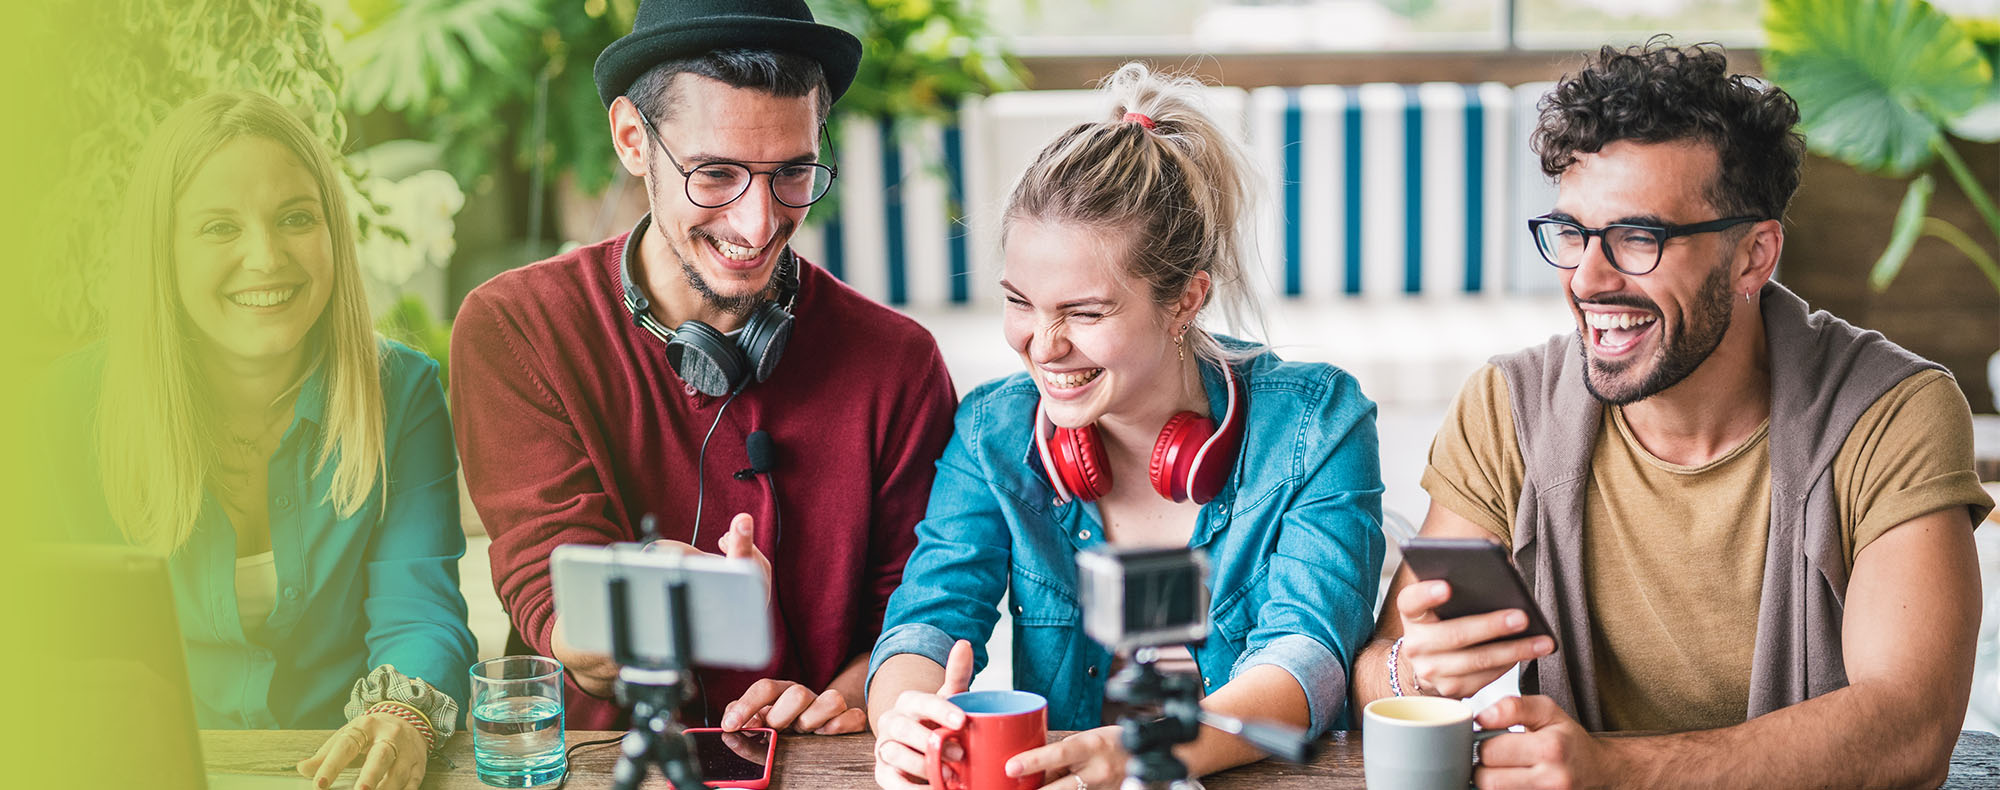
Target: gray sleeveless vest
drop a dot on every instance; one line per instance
(1824, 374)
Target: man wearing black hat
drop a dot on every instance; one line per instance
(695, 368)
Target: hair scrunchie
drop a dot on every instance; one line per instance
(385, 684)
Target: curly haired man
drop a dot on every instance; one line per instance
(1750, 524)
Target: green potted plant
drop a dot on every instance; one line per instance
(919, 57)
(147, 57)
(141, 60)
(1886, 86)
(504, 87)
(453, 68)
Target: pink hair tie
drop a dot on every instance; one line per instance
(1139, 118)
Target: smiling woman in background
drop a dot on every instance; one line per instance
(1116, 239)
(297, 469)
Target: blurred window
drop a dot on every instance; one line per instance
(1141, 27)
(1570, 24)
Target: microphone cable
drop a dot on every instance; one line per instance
(701, 470)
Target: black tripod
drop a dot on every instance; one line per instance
(653, 691)
(1141, 687)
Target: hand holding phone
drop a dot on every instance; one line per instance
(1464, 634)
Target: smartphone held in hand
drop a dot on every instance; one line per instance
(1482, 580)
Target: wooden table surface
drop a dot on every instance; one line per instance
(843, 762)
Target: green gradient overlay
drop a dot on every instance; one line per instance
(37, 47)
(87, 82)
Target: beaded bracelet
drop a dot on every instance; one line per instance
(385, 684)
(1395, 651)
(409, 713)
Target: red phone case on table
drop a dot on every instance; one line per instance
(770, 761)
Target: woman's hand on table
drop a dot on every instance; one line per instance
(1097, 757)
(392, 752)
(903, 735)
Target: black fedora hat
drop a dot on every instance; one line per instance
(666, 29)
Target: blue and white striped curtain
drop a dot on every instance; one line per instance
(1385, 189)
(1377, 190)
(900, 234)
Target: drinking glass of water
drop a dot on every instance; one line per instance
(517, 720)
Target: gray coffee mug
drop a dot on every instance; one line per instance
(1418, 743)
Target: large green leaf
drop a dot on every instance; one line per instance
(1982, 123)
(1875, 79)
(1909, 224)
(431, 49)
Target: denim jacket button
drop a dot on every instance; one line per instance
(1083, 534)
(1018, 609)
(1090, 670)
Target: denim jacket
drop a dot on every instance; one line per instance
(1294, 545)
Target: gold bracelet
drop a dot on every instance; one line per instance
(422, 722)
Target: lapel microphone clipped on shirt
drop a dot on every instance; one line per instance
(763, 458)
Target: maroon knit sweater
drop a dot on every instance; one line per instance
(571, 426)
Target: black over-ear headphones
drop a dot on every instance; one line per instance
(711, 362)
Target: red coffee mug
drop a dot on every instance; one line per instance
(998, 725)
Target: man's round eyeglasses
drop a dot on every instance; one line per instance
(1632, 249)
(720, 183)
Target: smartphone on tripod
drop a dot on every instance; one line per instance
(660, 615)
(729, 614)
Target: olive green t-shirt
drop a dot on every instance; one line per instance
(1674, 555)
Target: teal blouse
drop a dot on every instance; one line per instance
(376, 587)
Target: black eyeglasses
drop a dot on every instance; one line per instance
(1562, 242)
(718, 184)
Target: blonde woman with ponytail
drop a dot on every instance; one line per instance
(1134, 425)
(245, 420)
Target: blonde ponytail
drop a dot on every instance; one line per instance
(1161, 170)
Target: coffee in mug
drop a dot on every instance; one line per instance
(1418, 743)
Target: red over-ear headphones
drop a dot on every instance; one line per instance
(1191, 460)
